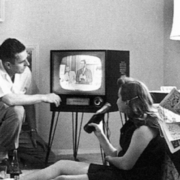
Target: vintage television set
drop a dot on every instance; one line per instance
(86, 90)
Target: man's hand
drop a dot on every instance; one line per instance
(52, 98)
(36, 139)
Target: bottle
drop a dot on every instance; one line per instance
(14, 169)
(97, 117)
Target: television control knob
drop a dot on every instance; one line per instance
(98, 101)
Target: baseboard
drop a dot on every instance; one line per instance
(80, 151)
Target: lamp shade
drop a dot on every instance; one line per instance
(175, 32)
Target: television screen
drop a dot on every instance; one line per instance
(78, 73)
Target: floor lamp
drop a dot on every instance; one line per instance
(175, 32)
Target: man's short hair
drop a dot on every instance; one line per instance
(9, 48)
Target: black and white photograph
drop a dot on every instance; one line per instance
(89, 90)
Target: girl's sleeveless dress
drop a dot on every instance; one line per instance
(147, 167)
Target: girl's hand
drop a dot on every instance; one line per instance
(98, 128)
(107, 158)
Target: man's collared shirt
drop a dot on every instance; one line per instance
(23, 83)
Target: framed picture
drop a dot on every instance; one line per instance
(32, 51)
(2, 10)
(33, 56)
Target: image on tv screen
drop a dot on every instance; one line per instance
(80, 72)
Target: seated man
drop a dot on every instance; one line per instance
(17, 94)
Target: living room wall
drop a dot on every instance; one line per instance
(133, 25)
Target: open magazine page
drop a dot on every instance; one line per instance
(167, 115)
(170, 126)
(174, 145)
(172, 101)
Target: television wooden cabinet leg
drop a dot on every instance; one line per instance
(51, 134)
(107, 133)
(76, 133)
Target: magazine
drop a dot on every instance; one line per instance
(172, 101)
(167, 115)
(174, 145)
(170, 126)
(169, 111)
